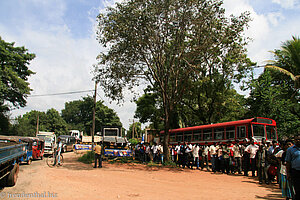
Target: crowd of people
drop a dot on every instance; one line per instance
(275, 162)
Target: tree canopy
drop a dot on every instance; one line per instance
(14, 73)
(79, 115)
(49, 121)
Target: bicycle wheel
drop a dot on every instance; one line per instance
(50, 161)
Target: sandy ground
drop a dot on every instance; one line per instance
(75, 180)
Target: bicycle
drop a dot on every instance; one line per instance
(51, 159)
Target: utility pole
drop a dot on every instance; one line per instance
(94, 111)
(133, 128)
(37, 125)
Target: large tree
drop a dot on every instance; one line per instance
(166, 42)
(14, 73)
(79, 115)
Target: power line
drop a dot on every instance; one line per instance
(63, 93)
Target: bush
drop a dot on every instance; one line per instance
(88, 157)
(134, 141)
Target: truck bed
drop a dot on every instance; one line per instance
(10, 151)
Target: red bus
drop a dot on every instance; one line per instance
(256, 128)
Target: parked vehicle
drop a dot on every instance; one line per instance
(11, 151)
(68, 142)
(28, 141)
(38, 149)
(50, 141)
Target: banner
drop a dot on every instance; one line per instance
(107, 152)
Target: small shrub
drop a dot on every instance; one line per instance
(88, 157)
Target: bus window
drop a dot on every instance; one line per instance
(241, 132)
(230, 132)
(207, 134)
(161, 138)
(188, 136)
(172, 138)
(258, 130)
(179, 137)
(197, 135)
(271, 132)
(219, 133)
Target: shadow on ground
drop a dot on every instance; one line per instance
(274, 188)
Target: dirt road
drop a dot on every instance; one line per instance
(75, 180)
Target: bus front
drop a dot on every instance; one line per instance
(264, 128)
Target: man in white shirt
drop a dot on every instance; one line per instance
(177, 149)
(252, 149)
(160, 150)
(196, 155)
(237, 154)
(155, 152)
(213, 156)
(205, 155)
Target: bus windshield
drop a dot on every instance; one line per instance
(258, 130)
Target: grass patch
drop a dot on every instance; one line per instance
(153, 164)
(170, 164)
(87, 158)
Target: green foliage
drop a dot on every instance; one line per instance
(170, 164)
(79, 115)
(211, 100)
(87, 158)
(14, 73)
(133, 141)
(287, 61)
(270, 100)
(276, 92)
(51, 121)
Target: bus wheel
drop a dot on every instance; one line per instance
(42, 157)
(13, 175)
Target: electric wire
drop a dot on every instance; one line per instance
(62, 93)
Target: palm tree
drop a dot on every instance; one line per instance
(287, 60)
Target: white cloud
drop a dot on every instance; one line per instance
(286, 3)
(275, 18)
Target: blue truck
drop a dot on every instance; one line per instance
(11, 152)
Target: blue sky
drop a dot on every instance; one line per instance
(62, 35)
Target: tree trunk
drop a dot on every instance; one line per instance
(167, 110)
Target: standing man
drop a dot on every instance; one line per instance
(196, 149)
(205, 155)
(161, 153)
(147, 152)
(58, 152)
(213, 155)
(237, 154)
(252, 149)
(98, 157)
(155, 152)
(293, 166)
(262, 162)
